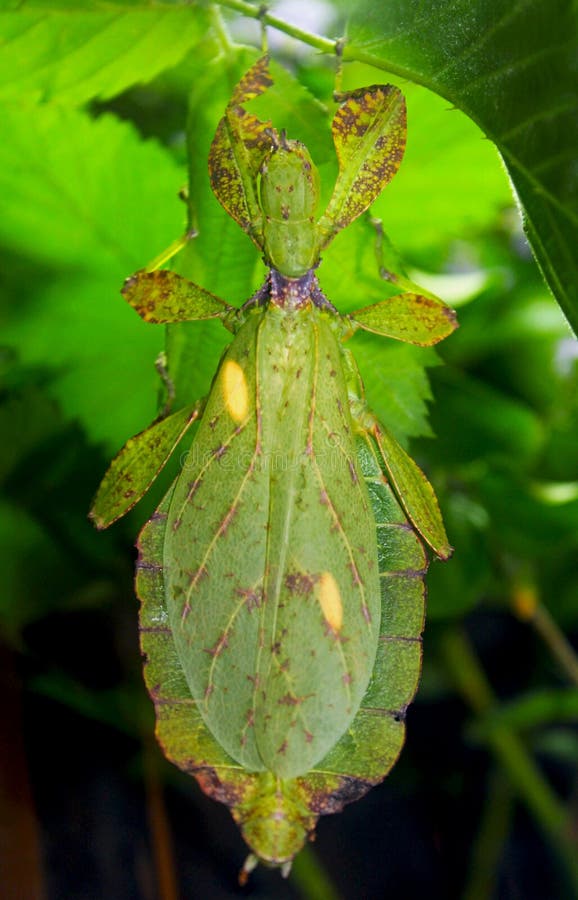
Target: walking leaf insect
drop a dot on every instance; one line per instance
(281, 577)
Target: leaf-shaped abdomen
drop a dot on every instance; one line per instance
(270, 557)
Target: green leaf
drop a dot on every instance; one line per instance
(92, 50)
(71, 317)
(510, 69)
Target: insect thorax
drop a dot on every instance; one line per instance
(289, 193)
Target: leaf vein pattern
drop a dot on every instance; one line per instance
(480, 40)
(215, 539)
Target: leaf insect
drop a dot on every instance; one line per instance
(282, 576)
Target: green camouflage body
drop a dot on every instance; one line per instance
(277, 810)
(282, 577)
(270, 554)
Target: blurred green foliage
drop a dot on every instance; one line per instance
(95, 104)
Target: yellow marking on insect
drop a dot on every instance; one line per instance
(235, 391)
(330, 600)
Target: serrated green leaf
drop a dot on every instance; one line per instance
(72, 55)
(73, 320)
(66, 201)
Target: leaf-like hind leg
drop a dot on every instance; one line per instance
(137, 465)
(413, 491)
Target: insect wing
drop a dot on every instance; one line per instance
(369, 132)
(275, 818)
(270, 555)
(370, 748)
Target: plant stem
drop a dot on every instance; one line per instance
(220, 28)
(311, 879)
(558, 644)
(527, 606)
(509, 749)
(489, 845)
(324, 45)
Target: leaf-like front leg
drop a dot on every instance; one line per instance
(162, 297)
(369, 133)
(137, 465)
(240, 144)
(410, 317)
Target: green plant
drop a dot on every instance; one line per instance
(93, 104)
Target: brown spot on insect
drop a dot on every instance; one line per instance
(221, 644)
(282, 750)
(211, 785)
(353, 472)
(346, 679)
(250, 716)
(365, 613)
(208, 691)
(308, 737)
(323, 497)
(253, 598)
(300, 582)
(290, 700)
(220, 451)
